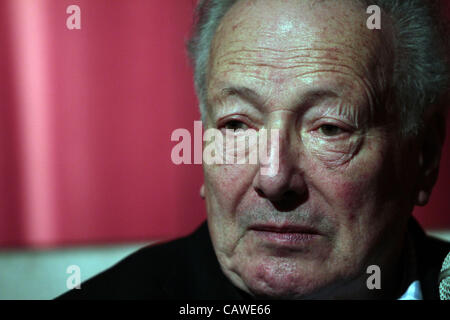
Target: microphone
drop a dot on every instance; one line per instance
(444, 279)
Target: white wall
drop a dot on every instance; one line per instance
(41, 274)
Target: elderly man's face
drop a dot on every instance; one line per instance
(331, 207)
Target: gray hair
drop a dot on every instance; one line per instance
(420, 75)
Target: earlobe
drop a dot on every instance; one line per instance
(202, 191)
(429, 159)
(422, 198)
(422, 195)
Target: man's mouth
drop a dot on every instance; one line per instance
(285, 235)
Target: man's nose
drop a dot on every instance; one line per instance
(281, 179)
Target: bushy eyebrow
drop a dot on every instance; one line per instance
(316, 95)
(243, 93)
(249, 95)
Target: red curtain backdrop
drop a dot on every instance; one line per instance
(86, 118)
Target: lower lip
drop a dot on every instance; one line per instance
(286, 238)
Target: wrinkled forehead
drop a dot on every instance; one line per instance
(285, 31)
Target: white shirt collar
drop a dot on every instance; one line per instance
(413, 292)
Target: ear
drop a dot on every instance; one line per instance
(202, 191)
(430, 151)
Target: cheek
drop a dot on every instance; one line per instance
(225, 185)
(349, 196)
(352, 189)
(349, 199)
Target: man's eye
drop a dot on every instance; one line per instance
(330, 130)
(235, 125)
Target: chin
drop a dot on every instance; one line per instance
(282, 280)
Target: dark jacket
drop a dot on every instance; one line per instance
(187, 268)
